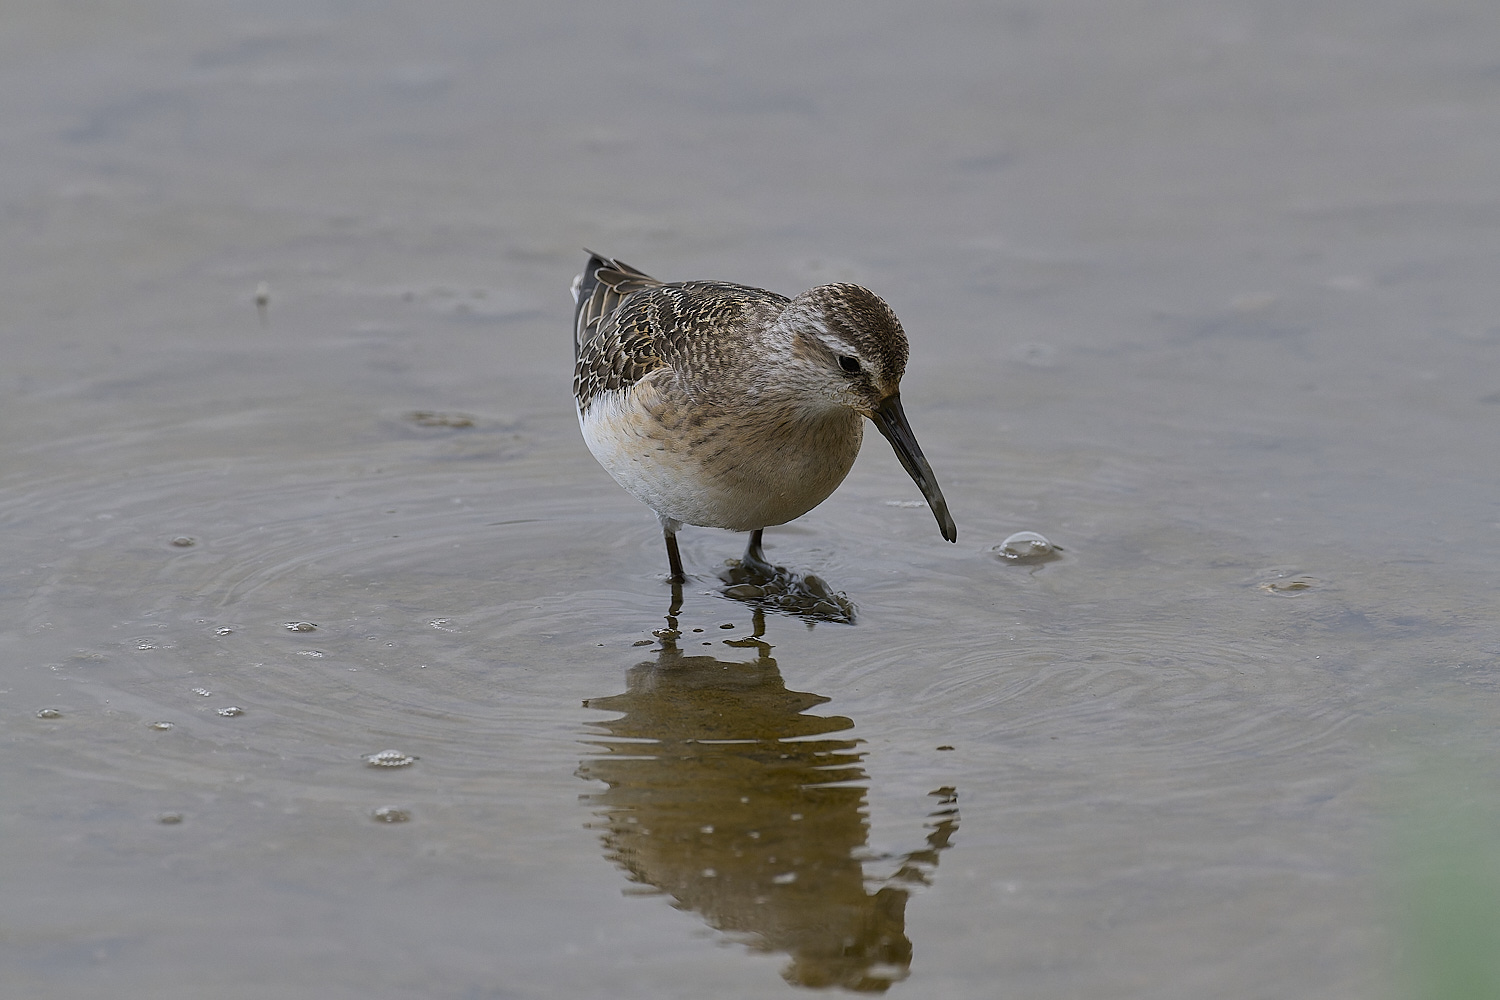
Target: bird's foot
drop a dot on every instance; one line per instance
(775, 588)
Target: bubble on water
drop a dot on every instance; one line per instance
(161, 726)
(231, 711)
(169, 819)
(223, 630)
(907, 504)
(785, 878)
(390, 814)
(202, 692)
(309, 652)
(389, 758)
(442, 624)
(49, 713)
(184, 541)
(1026, 546)
(299, 626)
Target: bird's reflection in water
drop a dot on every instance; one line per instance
(725, 793)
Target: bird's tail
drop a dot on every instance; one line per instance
(598, 291)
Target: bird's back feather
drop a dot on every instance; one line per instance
(629, 324)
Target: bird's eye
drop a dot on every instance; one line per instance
(850, 365)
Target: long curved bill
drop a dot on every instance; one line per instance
(891, 420)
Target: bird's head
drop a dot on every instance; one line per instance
(848, 349)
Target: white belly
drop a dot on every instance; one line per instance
(716, 470)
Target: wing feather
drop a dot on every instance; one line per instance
(629, 324)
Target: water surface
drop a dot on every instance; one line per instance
(1204, 294)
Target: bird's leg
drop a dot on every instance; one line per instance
(674, 558)
(754, 559)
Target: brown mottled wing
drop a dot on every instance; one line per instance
(646, 325)
(599, 291)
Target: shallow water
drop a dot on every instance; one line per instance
(1202, 293)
